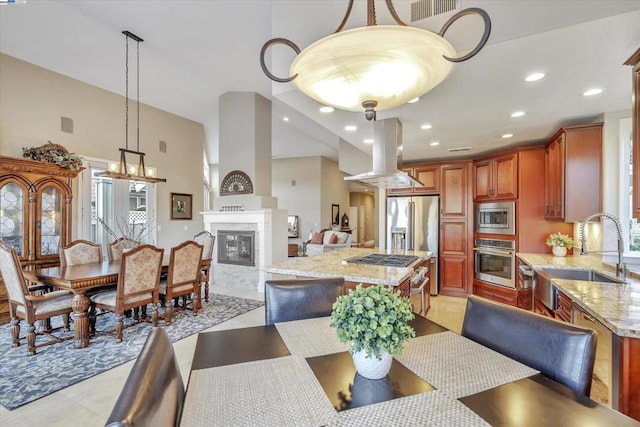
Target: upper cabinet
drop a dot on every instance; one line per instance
(453, 198)
(573, 173)
(428, 175)
(634, 61)
(496, 178)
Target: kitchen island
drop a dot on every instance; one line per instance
(338, 263)
(616, 307)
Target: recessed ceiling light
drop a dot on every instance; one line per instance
(518, 114)
(591, 92)
(434, 143)
(425, 126)
(285, 118)
(413, 100)
(326, 109)
(350, 128)
(368, 141)
(507, 135)
(534, 77)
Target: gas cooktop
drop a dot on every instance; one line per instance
(385, 260)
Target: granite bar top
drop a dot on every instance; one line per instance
(333, 264)
(615, 305)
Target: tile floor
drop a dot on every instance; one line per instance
(89, 403)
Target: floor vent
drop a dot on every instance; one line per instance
(427, 8)
(455, 150)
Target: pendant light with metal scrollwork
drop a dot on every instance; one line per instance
(376, 66)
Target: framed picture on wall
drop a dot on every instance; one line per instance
(181, 206)
(335, 214)
(292, 226)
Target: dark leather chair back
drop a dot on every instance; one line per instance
(297, 299)
(153, 394)
(560, 351)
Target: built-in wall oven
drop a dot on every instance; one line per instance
(495, 261)
(495, 218)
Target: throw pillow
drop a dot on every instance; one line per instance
(317, 238)
(333, 239)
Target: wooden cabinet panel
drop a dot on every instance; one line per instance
(453, 275)
(540, 308)
(563, 310)
(45, 224)
(453, 198)
(496, 178)
(453, 237)
(429, 175)
(496, 293)
(573, 173)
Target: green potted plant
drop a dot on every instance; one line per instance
(559, 243)
(374, 320)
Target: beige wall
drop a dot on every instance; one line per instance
(318, 185)
(33, 100)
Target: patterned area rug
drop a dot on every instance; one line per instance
(24, 379)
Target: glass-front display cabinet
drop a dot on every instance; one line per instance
(35, 213)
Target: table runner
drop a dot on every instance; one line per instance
(310, 337)
(281, 391)
(458, 366)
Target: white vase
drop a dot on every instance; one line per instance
(559, 250)
(372, 367)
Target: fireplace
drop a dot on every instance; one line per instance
(236, 247)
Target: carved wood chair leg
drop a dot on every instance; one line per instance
(144, 312)
(65, 322)
(119, 326)
(31, 340)
(206, 290)
(15, 332)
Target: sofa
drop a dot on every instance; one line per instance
(328, 242)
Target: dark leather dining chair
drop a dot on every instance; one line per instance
(287, 300)
(153, 394)
(560, 351)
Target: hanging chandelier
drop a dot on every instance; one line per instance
(376, 67)
(122, 170)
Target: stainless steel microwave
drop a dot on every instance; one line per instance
(495, 218)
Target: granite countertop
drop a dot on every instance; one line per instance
(615, 305)
(332, 264)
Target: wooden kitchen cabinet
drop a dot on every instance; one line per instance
(429, 175)
(454, 262)
(563, 309)
(573, 173)
(496, 178)
(35, 198)
(453, 197)
(634, 61)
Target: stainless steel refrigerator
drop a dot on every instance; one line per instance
(413, 223)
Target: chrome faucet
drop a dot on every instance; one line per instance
(621, 270)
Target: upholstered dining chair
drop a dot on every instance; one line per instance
(114, 249)
(80, 252)
(296, 299)
(137, 286)
(153, 394)
(183, 278)
(207, 240)
(560, 351)
(27, 307)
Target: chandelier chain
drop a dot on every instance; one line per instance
(126, 93)
(138, 96)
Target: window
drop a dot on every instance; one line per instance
(631, 232)
(115, 201)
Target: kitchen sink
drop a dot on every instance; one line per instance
(590, 275)
(546, 292)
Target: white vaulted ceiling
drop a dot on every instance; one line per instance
(194, 51)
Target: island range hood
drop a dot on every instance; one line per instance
(387, 158)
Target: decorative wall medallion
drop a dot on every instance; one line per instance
(236, 182)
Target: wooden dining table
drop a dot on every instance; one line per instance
(298, 373)
(80, 279)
